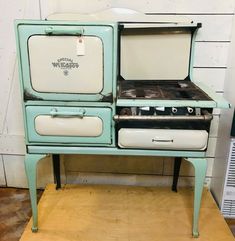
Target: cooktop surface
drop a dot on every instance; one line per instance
(160, 90)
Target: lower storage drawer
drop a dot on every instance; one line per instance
(172, 139)
(68, 124)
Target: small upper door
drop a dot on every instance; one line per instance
(61, 62)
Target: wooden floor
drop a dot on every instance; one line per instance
(113, 213)
(15, 212)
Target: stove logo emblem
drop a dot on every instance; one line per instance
(65, 64)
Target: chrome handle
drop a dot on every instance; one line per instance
(64, 31)
(80, 113)
(205, 117)
(163, 140)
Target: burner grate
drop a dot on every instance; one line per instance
(160, 90)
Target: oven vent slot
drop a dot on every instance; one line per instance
(231, 168)
(229, 208)
(228, 204)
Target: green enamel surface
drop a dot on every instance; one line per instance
(112, 151)
(103, 113)
(166, 103)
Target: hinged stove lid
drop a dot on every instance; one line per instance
(155, 52)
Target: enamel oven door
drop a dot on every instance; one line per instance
(67, 62)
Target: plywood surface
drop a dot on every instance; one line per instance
(100, 213)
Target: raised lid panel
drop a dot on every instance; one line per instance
(155, 54)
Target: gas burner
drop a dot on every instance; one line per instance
(160, 90)
(151, 94)
(131, 93)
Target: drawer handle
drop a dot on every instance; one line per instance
(163, 140)
(67, 31)
(54, 112)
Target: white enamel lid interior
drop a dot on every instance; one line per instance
(155, 54)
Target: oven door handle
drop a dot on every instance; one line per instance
(64, 31)
(163, 140)
(67, 114)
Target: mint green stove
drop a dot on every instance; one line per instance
(118, 83)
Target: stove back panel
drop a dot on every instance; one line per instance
(152, 54)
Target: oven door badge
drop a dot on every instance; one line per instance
(65, 64)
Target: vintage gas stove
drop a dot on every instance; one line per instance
(115, 82)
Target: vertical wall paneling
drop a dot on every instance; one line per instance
(2, 173)
(11, 10)
(178, 6)
(212, 77)
(212, 54)
(186, 169)
(126, 179)
(15, 171)
(72, 6)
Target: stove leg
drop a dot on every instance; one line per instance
(177, 164)
(31, 161)
(200, 166)
(56, 169)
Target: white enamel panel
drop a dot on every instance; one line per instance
(56, 65)
(148, 54)
(73, 126)
(162, 139)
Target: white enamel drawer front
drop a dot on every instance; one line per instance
(171, 139)
(47, 124)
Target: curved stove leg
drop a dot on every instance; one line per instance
(200, 166)
(31, 161)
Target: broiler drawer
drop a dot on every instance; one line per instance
(172, 139)
(68, 124)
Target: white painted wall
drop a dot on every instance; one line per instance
(210, 67)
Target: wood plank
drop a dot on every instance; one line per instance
(126, 179)
(113, 164)
(178, 6)
(214, 27)
(72, 6)
(214, 126)
(124, 213)
(12, 144)
(15, 171)
(211, 54)
(186, 170)
(14, 116)
(212, 77)
(11, 10)
(211, 147)
(2, 173)
(153, 6)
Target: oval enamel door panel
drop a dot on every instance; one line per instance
(66, 64)
(170, 139)
(58, 126)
